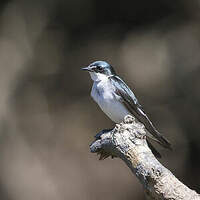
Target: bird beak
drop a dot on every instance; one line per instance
(87, 69)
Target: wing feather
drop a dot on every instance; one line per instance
(132, 104)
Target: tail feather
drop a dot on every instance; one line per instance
(152, 130)
(159, 138)
(154, 151)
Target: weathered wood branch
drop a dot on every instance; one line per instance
(128, 142)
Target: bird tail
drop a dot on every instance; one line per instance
(155, 135)
(154, 151)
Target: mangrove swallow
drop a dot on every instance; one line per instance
(116, 100)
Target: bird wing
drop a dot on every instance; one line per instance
(131, 103)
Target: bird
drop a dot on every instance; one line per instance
(117, 100)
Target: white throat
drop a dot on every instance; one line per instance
(98, 76)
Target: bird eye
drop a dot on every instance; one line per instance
(99, 68)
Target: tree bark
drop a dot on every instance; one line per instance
(128, 142)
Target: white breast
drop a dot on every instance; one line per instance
(103, 94)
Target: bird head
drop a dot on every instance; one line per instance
(100, 70)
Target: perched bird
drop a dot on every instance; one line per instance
(116, 100)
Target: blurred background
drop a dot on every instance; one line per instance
(47, 118)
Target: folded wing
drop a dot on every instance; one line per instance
(130, 101)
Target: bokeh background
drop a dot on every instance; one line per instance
(47, 118)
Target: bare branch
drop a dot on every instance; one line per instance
(128, 142)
